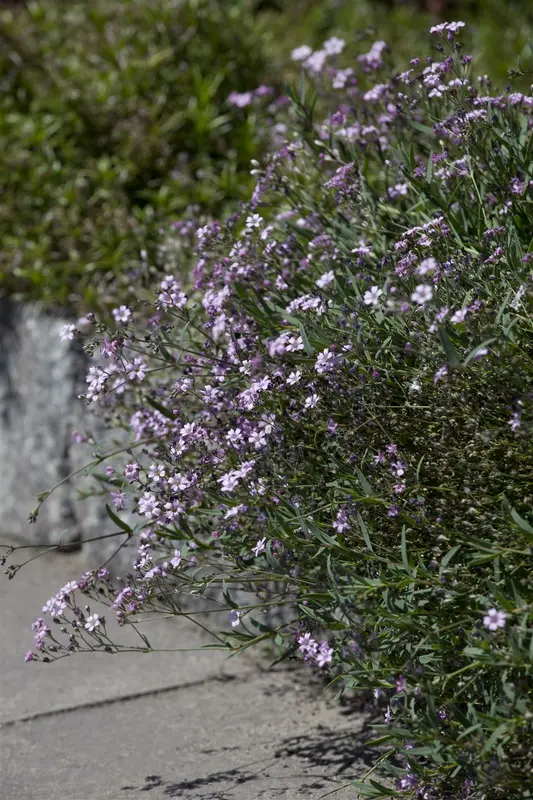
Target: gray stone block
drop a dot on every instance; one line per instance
(40, 380)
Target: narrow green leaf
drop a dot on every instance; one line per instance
(448, 347)
(473, 353)
(405, 558)
(364, 531)
(162, 409)
(524, 526)
(227, 597)
(365, 485)
(429, 169)
(449, 555)
(120, 523)
(493, 738)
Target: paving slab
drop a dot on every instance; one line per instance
(223, 739)
(162, 725)
(30, 689)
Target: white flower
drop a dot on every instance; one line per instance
(294, 377)
(316, 61)
(517, 299)
(254, 221)
(371, 297)
(422, 294)
(325, 279)
(260, 547)
(92, 622)
(67, 333)
(415, 386)
(341, 77)
(427, 265)
(122, 314)
(333, 46)
(311, 401)
(459, 316)
(229, 481)
(257, 439)
(326, 361)
(68, 588)
(301, 53)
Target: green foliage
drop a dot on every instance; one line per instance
(113, 120)
(500, 31)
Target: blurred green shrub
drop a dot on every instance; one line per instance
(114, 118)
(498, 30)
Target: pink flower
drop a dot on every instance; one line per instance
(240, 99)
(494, 619)
(324, 655)
(234, 617)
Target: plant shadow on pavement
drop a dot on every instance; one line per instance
(328, 757)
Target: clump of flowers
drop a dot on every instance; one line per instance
(339, 402)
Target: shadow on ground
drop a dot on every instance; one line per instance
(321, 760)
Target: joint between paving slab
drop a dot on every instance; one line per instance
(123, 698)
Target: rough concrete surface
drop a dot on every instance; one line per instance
(191, 724)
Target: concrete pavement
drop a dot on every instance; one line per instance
(169, 724)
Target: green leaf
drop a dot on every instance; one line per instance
(524, 526)
(120, 523)
(472, 354)
(162, 409)
(405, 558)
(273, 562)
(429, 169)
(449, 555)
(365, 485)
(308, 348)
(493, 738)
(227, 597)
(329, 568)
(364, 531)
(375, 790)
(449, 349)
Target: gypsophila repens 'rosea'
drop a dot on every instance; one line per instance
(337, 397)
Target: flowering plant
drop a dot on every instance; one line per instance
(339, 400)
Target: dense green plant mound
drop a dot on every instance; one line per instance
(342, 403)
(114, 118)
